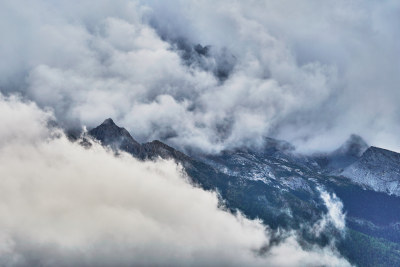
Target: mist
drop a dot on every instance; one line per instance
(311, 73)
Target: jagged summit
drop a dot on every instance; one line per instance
(118, 138)
(108, 131)
(108, 121)
(109, 134)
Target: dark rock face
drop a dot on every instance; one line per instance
(109, 134)
(118, 138)
(157, 148)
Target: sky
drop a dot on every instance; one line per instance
(308, 72)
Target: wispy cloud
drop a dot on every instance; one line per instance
(335, 215)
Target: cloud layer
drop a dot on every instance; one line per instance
(64, 205)
(308, 72)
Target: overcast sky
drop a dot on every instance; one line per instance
(309, 72)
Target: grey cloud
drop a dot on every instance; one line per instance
(308, 72)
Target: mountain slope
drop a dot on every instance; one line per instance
(276, 203)
(378, 169)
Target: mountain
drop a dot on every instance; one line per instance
(378, 169)
(273, 202)
(282, 188)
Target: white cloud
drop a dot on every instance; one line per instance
(64, 205)
(335, 209)
(335, 215)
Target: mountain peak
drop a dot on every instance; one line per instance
(117, 137)
(109, 121)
